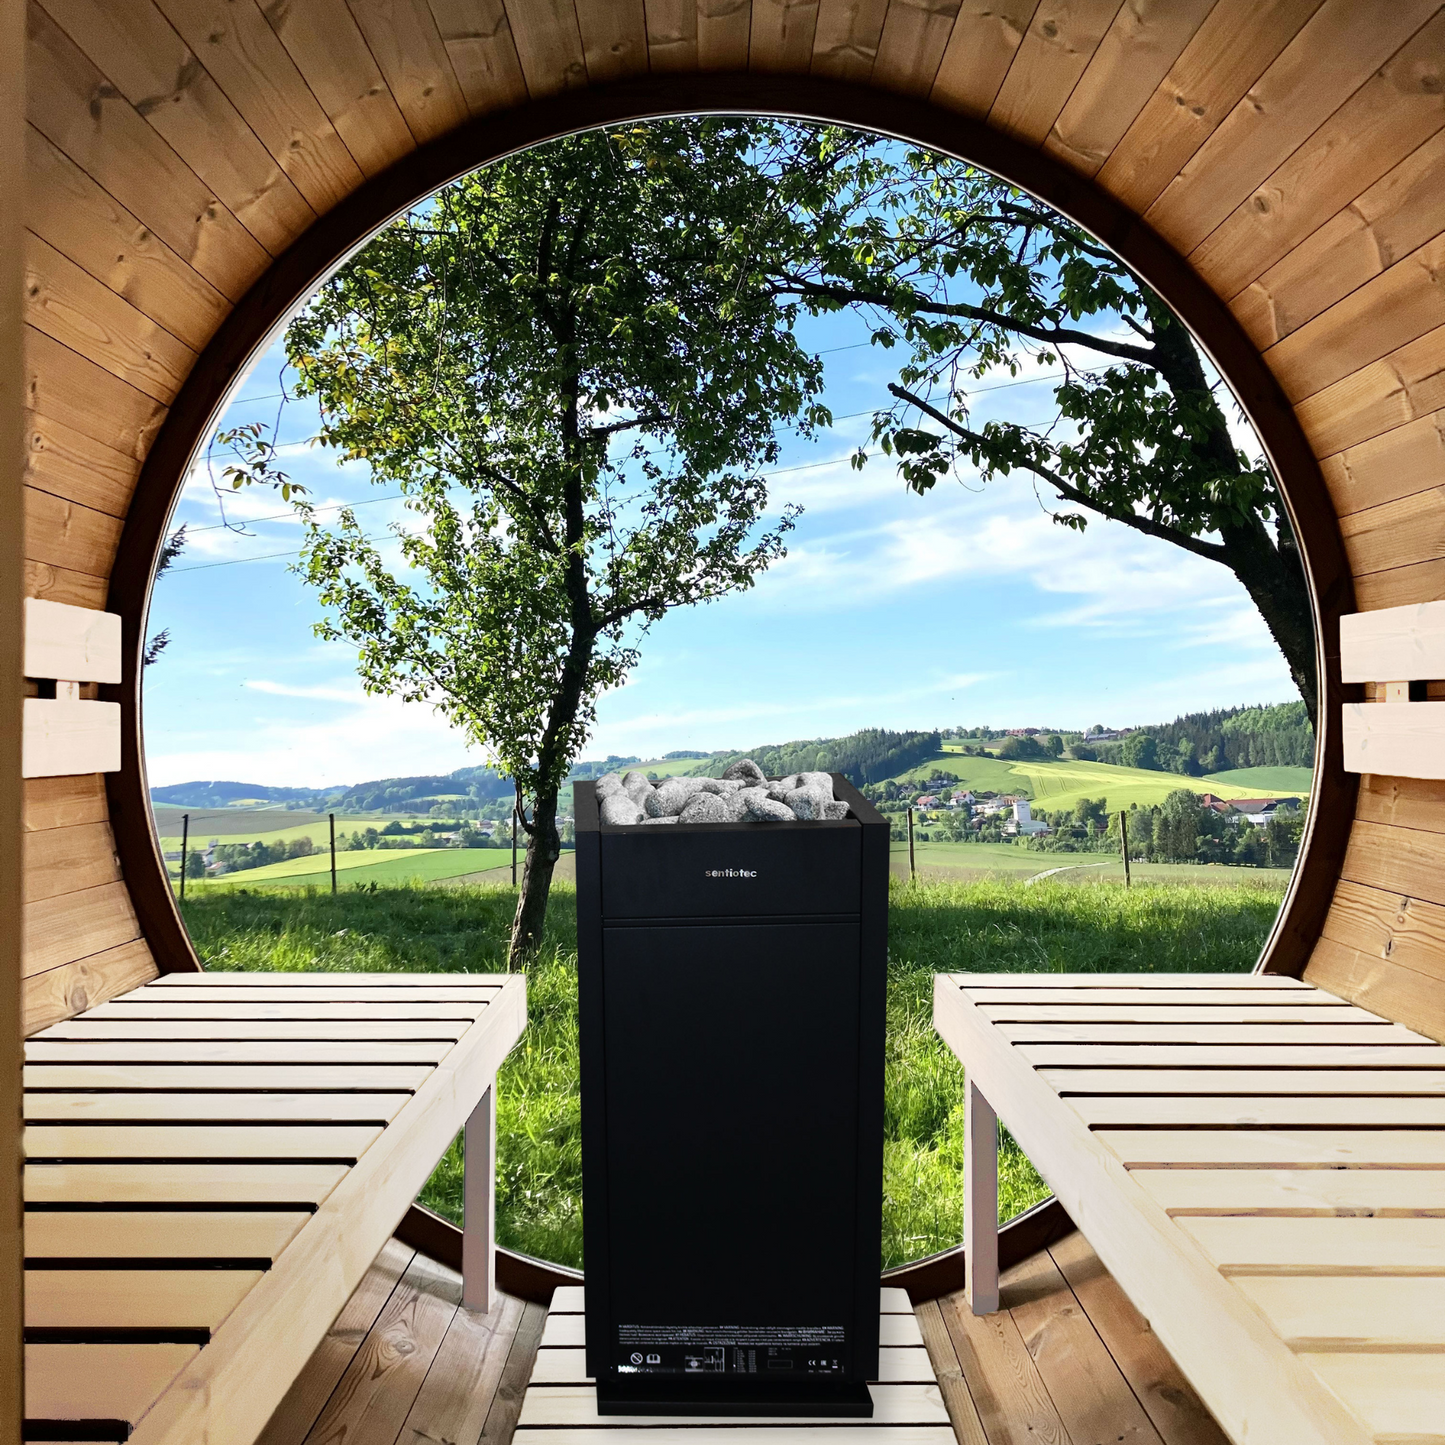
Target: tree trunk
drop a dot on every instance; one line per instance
(544, 847)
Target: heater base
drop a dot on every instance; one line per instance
(803, 1399)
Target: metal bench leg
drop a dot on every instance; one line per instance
(980, 1204)
(479, 1143)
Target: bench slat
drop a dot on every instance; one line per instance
(192, 1078)
(87, 1030)
(209, 1141)
(1397, 1395)
(180, 1183)
(1365, 1032)
(240, 978)
(1278, 1148)
(134, 1298)
(213, 1108)
(1297, 1191)
(1383, 1313)
(1344, 1057)
(99, 1382)
(1373, 1112)
(320, 1010)
(972, 981)
(1335, 1246)
(201, 1051)
(1245, 1081)
(1149, 997)
(465, 995)
(1261, 1013)
(166, 1234)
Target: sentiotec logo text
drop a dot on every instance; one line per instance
(729, 872)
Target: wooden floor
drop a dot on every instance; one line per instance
(1066, 1361)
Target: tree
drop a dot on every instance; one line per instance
(1176, 834)
(571, 364)
(1139, 750)
(975, 276)
(1055, 745)
(195, 865)
(172, 548)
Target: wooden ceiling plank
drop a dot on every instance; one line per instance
(1143, 43)
(1400, 212)
(60, 584)
(1335, 53)
(79, 925)
(61, 993)
(66, 860)
(1386, 313)
(55, 528)
(1391, 116)
(614, 39)
(1403, 859)
(723, 30)
(781, 38)
(75, 107)
(1388, 925)
(981, 47)
(672, 27)
(1229, 52)
(549, 45)
(134, 46)
(1405, 802)
(70, 212)
(249, 63)
(913, 43)
(1376, 983)
(1396, 534)
(845, 39)
(1398, 389)
(479, 44)
(67, 463)
(1055, 51)
(326, 45)
(404, 38)
(72, 307)
(64, 802)
(62, 384)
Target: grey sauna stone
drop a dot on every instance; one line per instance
(607, 785)
(835, 811)
(817, 780)
(705, 808)
(666, 801)
(808, 803)
(672, 818)
(620, 809)
(745, 771)
(763, 809)
(786, 785)
(720, 786)
(636, 785)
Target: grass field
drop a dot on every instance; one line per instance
(987, 926)
(1060, 784)
(1266, 782)
(268, 826)
(380, 866)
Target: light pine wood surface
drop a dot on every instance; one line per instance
(185, 1220)
(1269, 1224)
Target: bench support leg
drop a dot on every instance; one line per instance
(980, 1204)
(479, 1283)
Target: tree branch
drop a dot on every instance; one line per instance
(1212, 551)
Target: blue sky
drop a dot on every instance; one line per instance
(966, 606)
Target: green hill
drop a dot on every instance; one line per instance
(1060, 783)
(1266, 782)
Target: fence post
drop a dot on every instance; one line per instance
(912, 871)
(332, 817)
(1124, 839)
(185, 847)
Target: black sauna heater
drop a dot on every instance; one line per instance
(732, 980)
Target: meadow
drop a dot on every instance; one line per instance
(992, 925)
(1060, 783)
(1265, 782)
(384, 867)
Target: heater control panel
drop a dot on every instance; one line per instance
(770, 1350)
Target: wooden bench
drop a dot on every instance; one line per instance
(1259, 1164)
(213, 1162)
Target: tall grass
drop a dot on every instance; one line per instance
(933, 927)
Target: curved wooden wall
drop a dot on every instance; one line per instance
(1275, 167)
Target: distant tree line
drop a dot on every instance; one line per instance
(868, 756)
(1212, 742)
